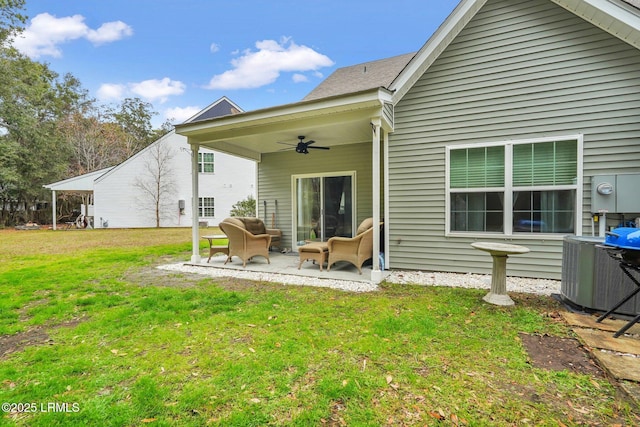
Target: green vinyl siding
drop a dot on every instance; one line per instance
(521, 69)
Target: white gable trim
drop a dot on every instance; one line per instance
(78, 183)
(616, 17)
(213, 104)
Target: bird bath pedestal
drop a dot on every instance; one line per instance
(499, 252)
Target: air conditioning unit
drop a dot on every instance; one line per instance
(592, 280)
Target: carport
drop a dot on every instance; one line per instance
(81, 185)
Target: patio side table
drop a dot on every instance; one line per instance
(499, 252)
(214, 249)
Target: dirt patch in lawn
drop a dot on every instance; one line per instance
(34, 336)
(557, 353)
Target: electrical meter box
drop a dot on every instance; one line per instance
(615, 193)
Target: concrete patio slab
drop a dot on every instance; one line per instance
(288, 264)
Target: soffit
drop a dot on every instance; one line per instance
(329, 122)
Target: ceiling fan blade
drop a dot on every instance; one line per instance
(286, 143)
(320, 148)
(310, 142)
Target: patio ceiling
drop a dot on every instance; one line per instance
(329, 121)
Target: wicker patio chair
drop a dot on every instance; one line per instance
(355, 250)
(243, 243)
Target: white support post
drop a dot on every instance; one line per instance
(376, 273)
(54, 207)
(195, 221)
(385, 178)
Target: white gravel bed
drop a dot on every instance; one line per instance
(475, 281)
(286, 279)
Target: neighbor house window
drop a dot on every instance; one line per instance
(206, 207)
(514, 187)
(205, 162)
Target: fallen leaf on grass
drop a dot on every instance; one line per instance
(148, 420)
(437, 415)
(456, 421)
(389, 379)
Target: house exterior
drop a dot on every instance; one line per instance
(126, 195)
(500, 128)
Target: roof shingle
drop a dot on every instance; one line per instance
(356, 78)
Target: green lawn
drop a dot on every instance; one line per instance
(98, 337)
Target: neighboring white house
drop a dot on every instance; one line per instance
(126, 196)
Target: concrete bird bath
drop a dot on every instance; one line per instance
(499, 252)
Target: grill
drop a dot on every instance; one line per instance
(623, 245)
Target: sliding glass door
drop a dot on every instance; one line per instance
(324, 206)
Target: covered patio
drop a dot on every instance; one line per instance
(336, 122)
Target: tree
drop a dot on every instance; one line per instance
(156, 183)
(244, 208)
(133, 117)
(33, 99)
(11, 20)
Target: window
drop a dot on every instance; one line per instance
(205, 162)
(206, 207)
(514, 187)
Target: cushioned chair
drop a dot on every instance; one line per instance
(242, 242)
(256, 226)
(355, 250)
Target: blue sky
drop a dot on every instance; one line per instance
(182, 55)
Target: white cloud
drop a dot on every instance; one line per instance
(157, 90)
(46, 32)
(299, 78)
(180, 114)
(109, 32)
(262, 67)
(150, 90)
(109, 91)
(214, 47)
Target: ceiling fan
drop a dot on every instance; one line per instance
(303, 147)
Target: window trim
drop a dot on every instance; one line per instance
(201, 162)
(508, 189)
(202, 207)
